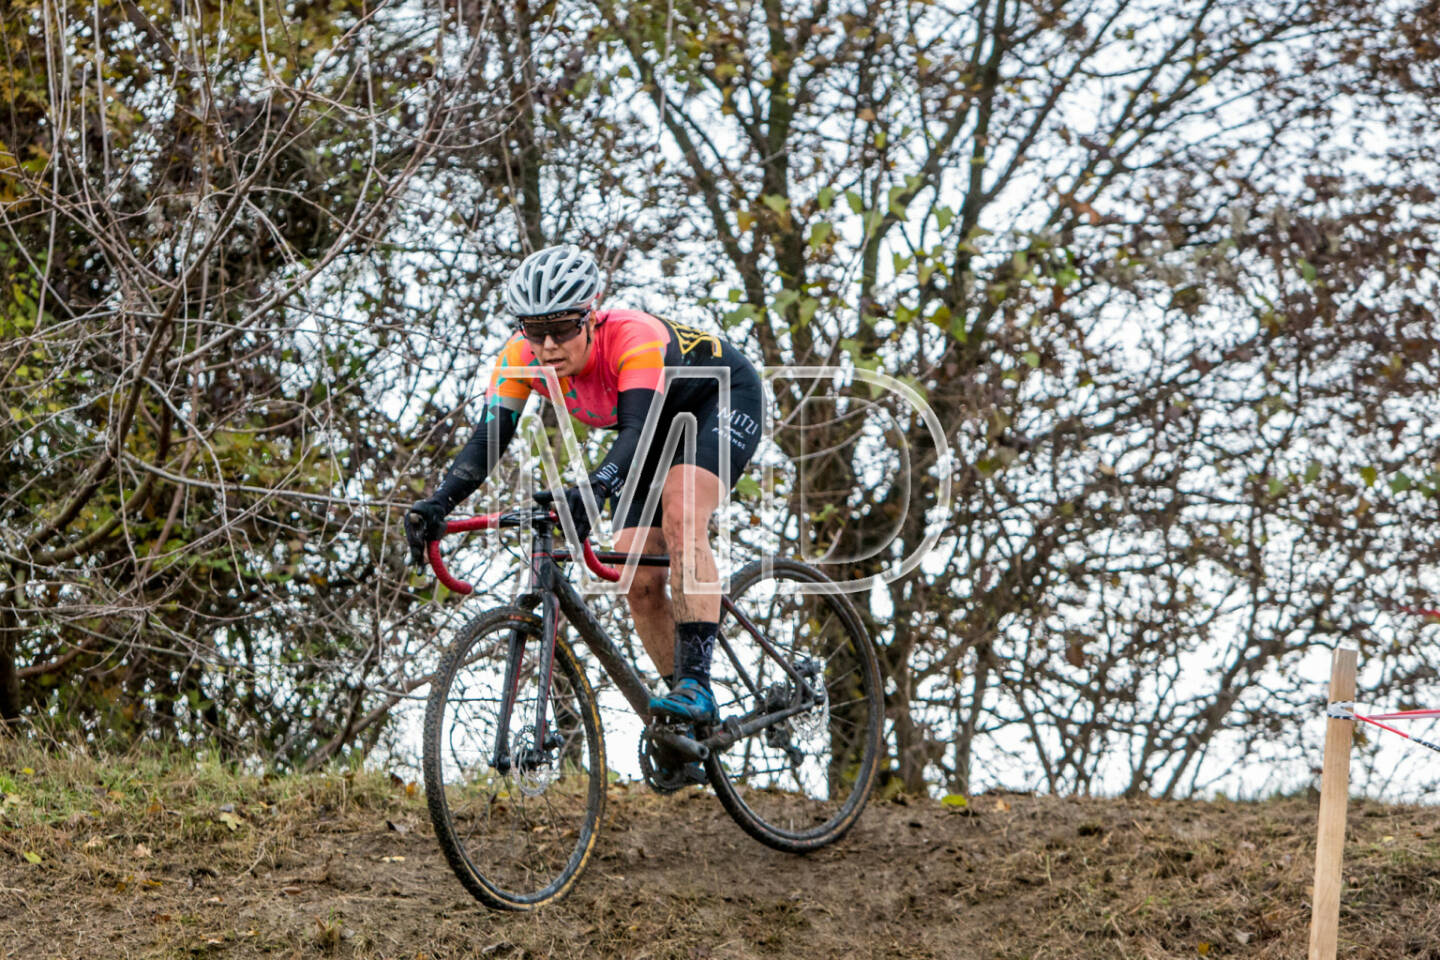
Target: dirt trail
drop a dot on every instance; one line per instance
(1010, 877)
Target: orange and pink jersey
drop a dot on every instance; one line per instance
(632, 350)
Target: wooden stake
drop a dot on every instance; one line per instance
(1334, 791)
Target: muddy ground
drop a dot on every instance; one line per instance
(346, 867)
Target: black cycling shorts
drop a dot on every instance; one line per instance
(747, 411)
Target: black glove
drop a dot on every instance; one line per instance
(424, 522)
(576, 502)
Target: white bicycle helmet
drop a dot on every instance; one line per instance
(552, 280)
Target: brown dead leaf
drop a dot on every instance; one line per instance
(141, 852)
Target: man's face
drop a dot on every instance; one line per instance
(561, 341)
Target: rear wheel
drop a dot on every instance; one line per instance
(517, 840)
(802, 782)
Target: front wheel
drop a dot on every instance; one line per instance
(802, 782)
(516, 838)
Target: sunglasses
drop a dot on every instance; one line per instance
(560, 327)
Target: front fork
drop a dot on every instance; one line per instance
(542, 573)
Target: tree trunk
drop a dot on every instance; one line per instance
(9, 675)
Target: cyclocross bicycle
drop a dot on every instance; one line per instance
(514, 754)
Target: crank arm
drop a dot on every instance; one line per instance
(681, 744)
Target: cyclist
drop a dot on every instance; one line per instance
(611, 366)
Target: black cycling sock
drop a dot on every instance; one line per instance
(694, 643)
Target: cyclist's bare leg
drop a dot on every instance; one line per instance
(649, 606)
(690, 495)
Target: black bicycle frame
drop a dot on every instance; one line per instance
(549, 588)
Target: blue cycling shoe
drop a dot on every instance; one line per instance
(689, 700)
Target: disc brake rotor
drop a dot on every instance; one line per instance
(532, 776)
(813, 722)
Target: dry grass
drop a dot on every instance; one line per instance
(169, 857)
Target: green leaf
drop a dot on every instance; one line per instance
(747, 487)
(827, 197)
(819, 233)
(1312, 472)
(1368, 474)
(1400, 483)
(944, 216)
(775, 202)
(857, 206)
(746, 311)
(783, 300)
(808, 306)
(32, 856)
(1306, 270)
(955, 800)
(1031, 358)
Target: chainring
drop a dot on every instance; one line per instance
(663, 771)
